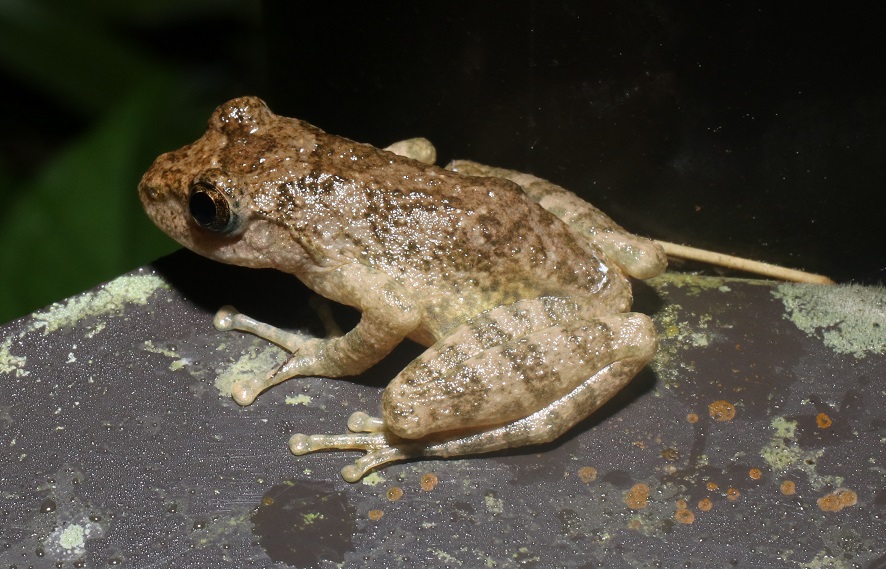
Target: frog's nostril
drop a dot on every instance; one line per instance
(149, 192)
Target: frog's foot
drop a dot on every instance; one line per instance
(367, 434)
(419, 149)
(228, 318)
(246, 390)
(304, 350)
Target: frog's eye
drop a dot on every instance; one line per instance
(211, 208)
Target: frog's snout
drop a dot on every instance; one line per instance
(154, 187)
(148, 192)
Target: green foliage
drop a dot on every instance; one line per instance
(73, 220)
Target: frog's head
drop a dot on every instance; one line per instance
(212, 196)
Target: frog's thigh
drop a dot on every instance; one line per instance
(563, 372)
(495, 327)
(639, 257)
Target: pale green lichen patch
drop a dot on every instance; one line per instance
(678, 330)
(9, 363)
(235, 523)
(178, 362)
(300, 399)
(260, 359)
(373, 479)
(783, 453)
(849, 319)
(784, 428)
(150, 347)
(72, 537)
(695, 284)
(494, 504)
(310, 518)
(112, 298)
(827, 560)
(445, 557)
(68, 541)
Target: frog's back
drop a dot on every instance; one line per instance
(464, 244)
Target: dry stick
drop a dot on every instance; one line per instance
(765, 269)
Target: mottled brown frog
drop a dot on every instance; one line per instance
(517, 287)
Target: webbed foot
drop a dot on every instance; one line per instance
(367, 434)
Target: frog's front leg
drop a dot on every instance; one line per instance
(528, 390)
(388, 315)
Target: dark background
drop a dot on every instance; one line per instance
(750, 128)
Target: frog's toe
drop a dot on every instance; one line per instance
(225, 318)
(360, 422)
(300, 444)
(371, 460)
(246, 390)
(244, 393)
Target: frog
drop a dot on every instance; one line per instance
(518, 290)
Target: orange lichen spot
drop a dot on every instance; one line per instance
(847, 497)
(376, 515)
(712, 485)
(670, 454)
(395, 493)
(755, 473)
(692, 417)
(733, 494)
(722, 410)
(637, 497)
(830, 503)
(429, 481)
(682, 505)
(705, 504)
(788, 487)
(838, 499)
(684, 516)
(587, 474)
(823, 421)
(267, 501)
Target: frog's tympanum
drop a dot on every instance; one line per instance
(517, 287)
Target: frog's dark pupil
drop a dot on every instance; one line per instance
(210, 209)
(202, 208)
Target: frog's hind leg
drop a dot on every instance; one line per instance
(639, 257)
(620, 345)
(543, 370)
(481, 333)
(547, 424)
